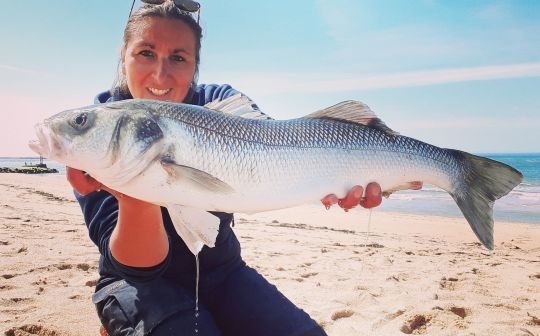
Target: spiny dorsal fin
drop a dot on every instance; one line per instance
(353, 111)
(238, 105)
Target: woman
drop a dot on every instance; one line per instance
(147, 274)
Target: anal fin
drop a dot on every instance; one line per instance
(196, 227)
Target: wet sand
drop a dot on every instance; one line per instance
(409, 274)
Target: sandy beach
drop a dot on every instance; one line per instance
(409, 274)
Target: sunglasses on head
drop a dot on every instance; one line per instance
(188, 6)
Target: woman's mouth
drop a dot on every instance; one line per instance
(158, 92)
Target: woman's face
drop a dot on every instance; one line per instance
(159, 60)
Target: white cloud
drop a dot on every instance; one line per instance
(476, 134)
(365, 37)
(10, 68)
(276, 83)
(473, 123)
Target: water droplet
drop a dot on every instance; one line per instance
(197, 293)
(197, 283)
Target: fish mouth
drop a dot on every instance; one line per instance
(35, 145)
(48, 144)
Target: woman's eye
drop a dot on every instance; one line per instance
(177, 58)
(146, 53)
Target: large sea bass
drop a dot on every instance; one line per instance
(227, 157)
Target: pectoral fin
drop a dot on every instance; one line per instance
(196, 227)
(198, 177)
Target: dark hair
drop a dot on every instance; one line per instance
(167, 10)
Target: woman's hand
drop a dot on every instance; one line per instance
(372, 198)
(139, 238)
(81, 182)
(85, 184)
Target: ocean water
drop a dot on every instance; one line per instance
(520, 205)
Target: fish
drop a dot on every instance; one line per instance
(228, 156)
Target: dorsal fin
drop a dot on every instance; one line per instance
(353, 111)
(238, 105)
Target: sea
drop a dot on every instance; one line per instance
(520, 205)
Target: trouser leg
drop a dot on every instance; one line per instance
(247, 304)
(158, 307)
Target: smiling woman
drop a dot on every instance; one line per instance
(161, 62)
(146, 272)
(149, 277)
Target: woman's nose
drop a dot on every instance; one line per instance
(161, 71)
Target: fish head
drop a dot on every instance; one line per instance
(113, 142)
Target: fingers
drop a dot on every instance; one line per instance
(352, 199)
(82, 182)
(373, 196)
(415, 185)
(85, 184)
(329, 200)
(371, 199)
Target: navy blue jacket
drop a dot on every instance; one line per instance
(100, 211)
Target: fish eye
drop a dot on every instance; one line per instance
(80, 120)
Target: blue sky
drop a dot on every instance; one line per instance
(457, 74)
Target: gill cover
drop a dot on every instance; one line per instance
(135, 141)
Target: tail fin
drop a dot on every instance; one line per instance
(483, 181)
